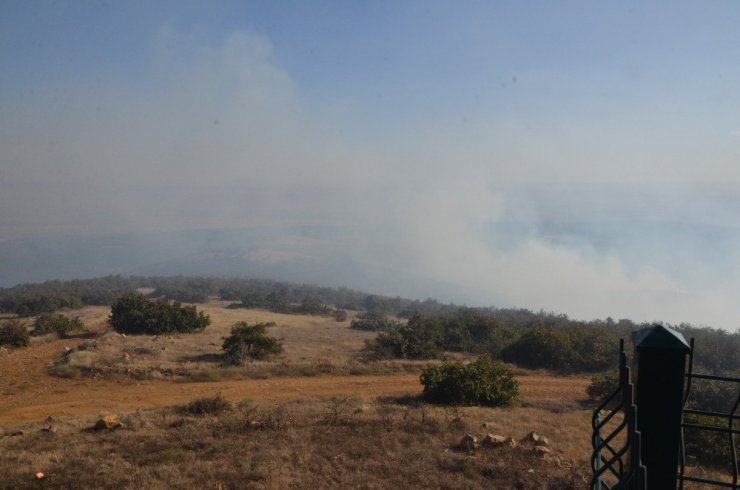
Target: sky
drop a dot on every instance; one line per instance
(576, 157)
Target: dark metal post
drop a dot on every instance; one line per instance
(660, 357)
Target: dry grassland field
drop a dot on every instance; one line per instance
(316, 417)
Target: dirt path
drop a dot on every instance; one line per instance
(28, 393)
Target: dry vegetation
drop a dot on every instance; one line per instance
(305, 443)
(313, 345)
(270, 424)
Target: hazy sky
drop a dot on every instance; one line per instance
(582, 157)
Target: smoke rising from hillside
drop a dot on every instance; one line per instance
(554, 214)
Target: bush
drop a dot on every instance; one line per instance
(482, 382)
(250, 342)
(420, 338)
(340, 314)
(214, 405)
(134, 314)
(711, 448)
(603, 385)
(374, 322)
(14, 333)
(58, 324)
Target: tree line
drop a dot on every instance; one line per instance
(532, 340)
(408, 328)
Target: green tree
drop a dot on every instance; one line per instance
(422, 337)
(134, 314)
(250, 342)
(482, 382)
(419, 338)
(542, 346)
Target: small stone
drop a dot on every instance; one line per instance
(536, 439)
(542, 451)
(109, 422)
(469, 442)
(493, 440)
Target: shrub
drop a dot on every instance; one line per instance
(603, 385)
(250, 342)
(420, 338)
(340, 314)
(374, 322)
(134, 314)
(711, 448)
(482, 382)
(14, 333)
(56, 323)
(213, 405)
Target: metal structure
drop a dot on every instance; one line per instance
(617, 467)
(730, 430)
(634, 417)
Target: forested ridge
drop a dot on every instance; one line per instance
(407, 328)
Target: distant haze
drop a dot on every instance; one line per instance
(577, 158)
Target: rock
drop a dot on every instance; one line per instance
(50, 428)
(109, 422)
(17, 433)
(535, 439)
(493, 440)
(541, 451)
(469, 442)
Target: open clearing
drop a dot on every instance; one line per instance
(316, 426)
(29, 392)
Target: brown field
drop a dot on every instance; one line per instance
(305, 428)
(30, 390)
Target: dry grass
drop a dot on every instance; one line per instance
(313, 345)
(289, 438)
(306, 443)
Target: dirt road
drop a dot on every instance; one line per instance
(28, 393)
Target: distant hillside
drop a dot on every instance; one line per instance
(517, 335)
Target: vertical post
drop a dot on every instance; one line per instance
(660, 355)
(597, 444)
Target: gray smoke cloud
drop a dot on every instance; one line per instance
(220, 142)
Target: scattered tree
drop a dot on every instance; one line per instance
(419, 338)
(541, 347)
(250, 342)
(134, 314)
(57, 324)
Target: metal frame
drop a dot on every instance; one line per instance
(730, 430)
(624, 463)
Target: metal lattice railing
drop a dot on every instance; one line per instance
(617, 466)
(730, 430)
